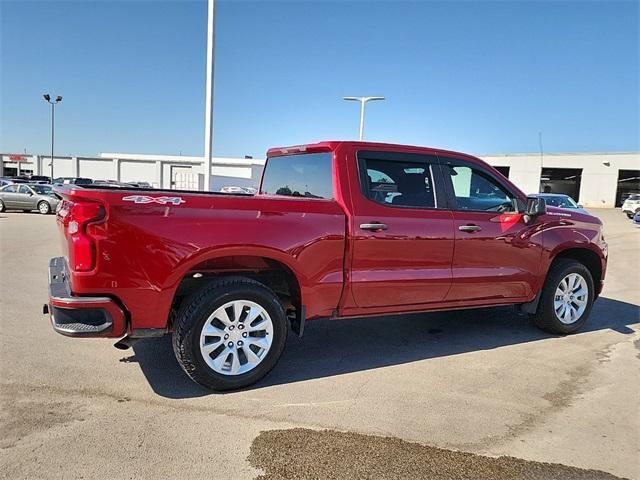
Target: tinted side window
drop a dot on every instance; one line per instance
(11, 188)
(398, 183)
(24, 189)
(308, 175)
(474, 190)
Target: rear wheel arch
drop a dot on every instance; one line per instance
(273, 273)
(230, 333)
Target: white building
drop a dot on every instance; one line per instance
(592, 179)
(161, 171)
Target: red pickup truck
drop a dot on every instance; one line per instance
(337, 229)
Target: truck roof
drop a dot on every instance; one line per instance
(331, 145)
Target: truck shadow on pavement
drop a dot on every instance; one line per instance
(331, 347)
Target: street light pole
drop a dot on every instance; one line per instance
(363, 101)
(208, 106)
(53, 103)
(53, 123)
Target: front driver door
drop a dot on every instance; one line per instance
(402, 232)
(25, 198)
(497, 256)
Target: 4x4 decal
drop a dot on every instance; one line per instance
(161, 200)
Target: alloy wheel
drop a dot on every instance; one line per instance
(236, 337)
(570, 300)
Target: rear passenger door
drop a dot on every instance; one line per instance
(497, 256)
(402, 231)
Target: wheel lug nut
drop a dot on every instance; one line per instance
(241, 327)
(230, 344)
(231, 327)
(239, 343)
(226, 336)
(244, 334)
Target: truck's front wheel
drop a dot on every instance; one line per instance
(566, 299)
(230, 334)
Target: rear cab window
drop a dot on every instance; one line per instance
(307, 175)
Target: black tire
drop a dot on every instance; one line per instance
(2, 207)
(193, 315)
(545, 317)
(44, 207)
(630, 215)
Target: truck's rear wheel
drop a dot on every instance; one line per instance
(230, 334)
(567, 298)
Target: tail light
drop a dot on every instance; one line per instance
(81, 221)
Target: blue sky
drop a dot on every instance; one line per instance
(480, 77)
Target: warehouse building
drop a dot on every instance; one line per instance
(161, 171)
(592, 179)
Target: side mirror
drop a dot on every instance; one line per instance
(535, 206)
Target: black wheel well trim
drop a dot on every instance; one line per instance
(587, 257)
(572, 253)
(290, 295)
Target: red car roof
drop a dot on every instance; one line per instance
(330, 145)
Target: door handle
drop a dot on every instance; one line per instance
(469, 228)
(374, 227)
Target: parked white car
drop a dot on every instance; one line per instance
(631, 205)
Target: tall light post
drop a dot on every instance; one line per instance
(208, 105)
(362, 101)
(53, 103)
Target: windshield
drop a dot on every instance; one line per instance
(563, 201)
(42, 189)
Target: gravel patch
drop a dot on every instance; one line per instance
(311, 454)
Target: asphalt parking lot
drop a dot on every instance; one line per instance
(427, 396)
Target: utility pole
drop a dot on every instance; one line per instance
(541, 150)
(540, 188)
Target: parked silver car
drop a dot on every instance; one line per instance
(27, 197)
(561, 200)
